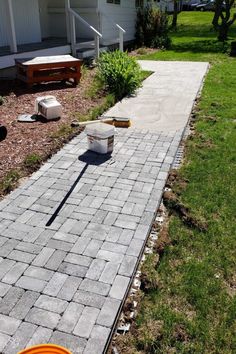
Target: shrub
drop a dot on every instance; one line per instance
(120, 73)
(1, 100)
(152, 27)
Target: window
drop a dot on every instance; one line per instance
(117, 2)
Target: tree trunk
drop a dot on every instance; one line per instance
(175, 15)
(223, 32)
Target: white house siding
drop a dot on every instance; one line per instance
(123, 14)
(3, 23)
(27, 24)
(44, 18)
(53, 20)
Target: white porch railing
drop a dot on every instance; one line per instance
(71, 17)
(121, 30)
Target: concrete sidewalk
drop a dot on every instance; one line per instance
(165, 101)
(65, 283)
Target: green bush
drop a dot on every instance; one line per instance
(120, 73)
(152, 27)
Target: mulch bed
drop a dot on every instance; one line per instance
(24, 139)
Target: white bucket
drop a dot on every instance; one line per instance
(100, 137)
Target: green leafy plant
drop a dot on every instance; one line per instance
(8, 183)
(1, 100)
(32, 161)
(152, 27)
(120, 73)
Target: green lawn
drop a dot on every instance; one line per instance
(193, 308)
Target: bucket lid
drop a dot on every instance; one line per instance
(100, 129)
(45, 349)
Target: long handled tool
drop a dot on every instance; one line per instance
(117, 122)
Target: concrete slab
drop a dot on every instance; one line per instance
(165, 101)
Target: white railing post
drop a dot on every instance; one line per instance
(73, 34)
(67, 7)
(121, 36)
(97, 46)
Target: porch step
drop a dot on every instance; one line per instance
(84, 53)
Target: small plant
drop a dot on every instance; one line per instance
(141, 51)
(9, 182)
(1, 100)
(152, 27)
(120, 73)
(32, 161)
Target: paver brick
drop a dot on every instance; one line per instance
(80, 245)
(4, 339)
(109, 273)
(55, 284)
(119, 287)
(59, 245)
(97, 342)
(94, 287)
(24, 305)
(29, 247)
(108, 312)
(8, 324)
(109, 246)
(55, 260)
(39, 273)
(93, 248)
(128, 266)
(95, 270)
(69, 288)
(43, 318)
(15, 273)
(4, 288)
(20, 338)
(10, 299)
(89, 299)
(110, 256)
(78, 227)
(73, 269)
(74, 343)
(135, 247)
(5, 266)
(21, 256)
(86, 322)
(70, 317)
(29, 283)
(78, 259)
(49, 303)
(42, 258)
(41, 335)
(61, 236)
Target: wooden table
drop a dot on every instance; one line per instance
(52, 68)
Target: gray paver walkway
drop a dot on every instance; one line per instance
(65, 283)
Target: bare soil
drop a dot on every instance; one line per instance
(24, 139)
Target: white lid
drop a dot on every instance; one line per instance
(101, 130)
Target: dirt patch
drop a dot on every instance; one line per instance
(172, 202)
(39, 138)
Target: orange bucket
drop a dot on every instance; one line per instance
(45, 349)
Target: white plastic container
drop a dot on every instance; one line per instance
(100, 137)
(48, 107)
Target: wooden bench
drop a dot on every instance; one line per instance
(45, 69)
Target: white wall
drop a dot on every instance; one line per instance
(123, 14)
(53, 20)
(3, 24)
(27, 24)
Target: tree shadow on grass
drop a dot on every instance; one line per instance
(202, 46)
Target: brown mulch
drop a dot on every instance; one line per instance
(24, 139)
